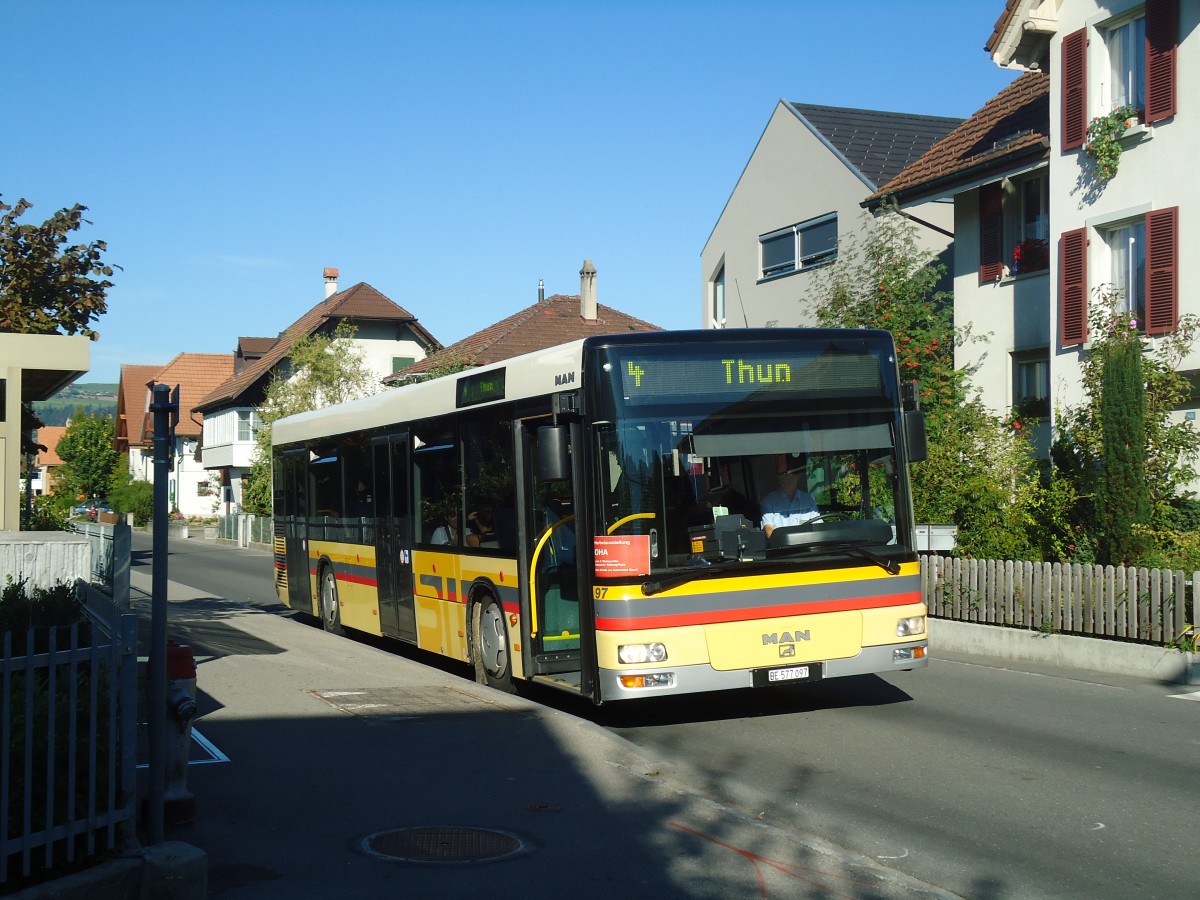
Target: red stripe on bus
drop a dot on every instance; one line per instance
(715, 617)
(358, 579)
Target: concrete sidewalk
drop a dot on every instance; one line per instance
(341, 769)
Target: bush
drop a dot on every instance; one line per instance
(51, 512)
(135, 497)
(38, 608)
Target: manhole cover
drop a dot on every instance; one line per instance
(442, 844)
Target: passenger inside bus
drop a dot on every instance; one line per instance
(481, 531)
(447, 532)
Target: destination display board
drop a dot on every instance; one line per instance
(645, 379)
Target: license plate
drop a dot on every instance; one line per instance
(785, 674)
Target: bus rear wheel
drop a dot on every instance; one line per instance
(490, 650)
(331, 615)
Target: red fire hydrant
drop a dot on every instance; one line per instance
(179, 805)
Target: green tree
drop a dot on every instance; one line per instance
(322, 370)
(981, 474)
(86, 449)
(1123, 498)
(1171, 445)
(48, 286)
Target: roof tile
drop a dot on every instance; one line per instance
(548, 323)
(1014, 123)
(360, 302)
(878, 144)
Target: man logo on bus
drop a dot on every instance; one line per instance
(786, 637)
(565, 378)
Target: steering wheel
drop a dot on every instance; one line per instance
(830, 516)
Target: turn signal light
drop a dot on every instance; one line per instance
(656, 680)
(908, 654)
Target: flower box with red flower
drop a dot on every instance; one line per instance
(1032, 255)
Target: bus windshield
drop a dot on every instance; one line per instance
(705, 457)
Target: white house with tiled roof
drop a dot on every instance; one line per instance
(798, 199)
(994, 169)
(1140, 231)
(196, 374)
(1037, 232)
(389, 337)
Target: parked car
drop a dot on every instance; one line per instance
(92, 508)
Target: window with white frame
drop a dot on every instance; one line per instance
(717, 298)
(1126, 245)
(248, 425)
(1031, 383)
(1031, 250)
(1125, 42)
(798, 246)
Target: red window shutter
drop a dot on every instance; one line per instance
(1074, 89)
(1162, 271)
(1072, 287)
(1162, 40)
(991, 232)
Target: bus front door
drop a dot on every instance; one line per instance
(393, 538)
(557, 618)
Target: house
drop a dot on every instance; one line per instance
(798, 198)
(994, 169)
(389, 337)
(32, 367)
(131, 432)
(557, 319)
(41, 479)
(1137, 234)
(196, 374)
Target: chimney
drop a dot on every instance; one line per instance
(587, 291)
(331, 276)
(541, 291)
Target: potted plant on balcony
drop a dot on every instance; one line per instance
(1104, 140)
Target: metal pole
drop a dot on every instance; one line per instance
(161, 407)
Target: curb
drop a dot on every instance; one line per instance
(172, 870)
(1112, 657)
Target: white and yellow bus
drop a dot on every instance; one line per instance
(610, 493)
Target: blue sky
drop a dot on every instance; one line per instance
(448, 153)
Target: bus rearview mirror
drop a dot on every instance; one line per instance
(554, 462)
(914, 435)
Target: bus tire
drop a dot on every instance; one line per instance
(331, 614)
(490, 649)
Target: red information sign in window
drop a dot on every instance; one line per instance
(619, 555)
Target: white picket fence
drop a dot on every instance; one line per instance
(67, 782)
(1150, 605)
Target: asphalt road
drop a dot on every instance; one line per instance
(990, 782)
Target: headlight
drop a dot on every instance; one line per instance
(636, 654)
(910, 626)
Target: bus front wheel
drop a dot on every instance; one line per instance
(490, 650)
(331, 615)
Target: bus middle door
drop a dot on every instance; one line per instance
(393, 537)
(293, 493)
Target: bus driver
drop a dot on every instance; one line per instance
(787, 504)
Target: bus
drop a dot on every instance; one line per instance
(591, 516)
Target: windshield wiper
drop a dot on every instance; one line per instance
(654, 587)
(888, 565)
